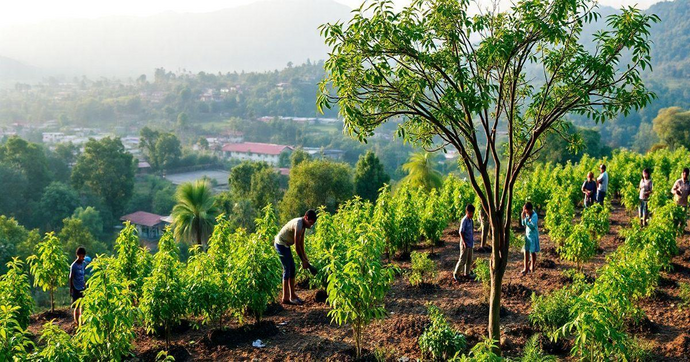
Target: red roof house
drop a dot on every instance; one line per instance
(253, 151)
(150, 226)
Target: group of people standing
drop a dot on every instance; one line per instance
(594, 191)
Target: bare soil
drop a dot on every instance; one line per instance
(299, 333)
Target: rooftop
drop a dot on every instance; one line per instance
(144, 218)
(253, 147)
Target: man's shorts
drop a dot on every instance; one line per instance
(76, 295)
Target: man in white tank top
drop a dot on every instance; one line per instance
(293, 234)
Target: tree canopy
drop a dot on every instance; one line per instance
(473, 82)
(672, 125)
(107, 170)
(369, 176)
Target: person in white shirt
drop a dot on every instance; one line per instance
(602, 184)
(645, 191)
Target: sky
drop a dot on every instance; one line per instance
(32, 11)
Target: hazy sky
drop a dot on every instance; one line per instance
(30, 11)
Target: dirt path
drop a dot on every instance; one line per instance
(305, 332)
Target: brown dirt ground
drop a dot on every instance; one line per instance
(299, 333)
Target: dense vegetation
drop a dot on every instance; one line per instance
(238, 275)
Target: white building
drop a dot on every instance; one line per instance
(53, 137)
(251, 151)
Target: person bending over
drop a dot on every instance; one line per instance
(293, 234)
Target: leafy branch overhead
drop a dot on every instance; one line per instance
(464, 78)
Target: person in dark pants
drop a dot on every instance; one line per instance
(464, 265)
(589, 188)
(77, 281)
(293, 234)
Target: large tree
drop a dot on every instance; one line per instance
(59, 201)
(107, 170)
(672, 125)
(369, 176)
(316, 183)
(461, 81)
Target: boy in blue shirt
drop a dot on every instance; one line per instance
(77, 281)
(466, 244)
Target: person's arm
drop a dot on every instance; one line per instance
(462, 235)
(299, 246)
(529, 221)
(584, 190)
(71, 280)
(676, 188)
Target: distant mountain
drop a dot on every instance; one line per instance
(671, 39)
(14, 70)
(260, 36)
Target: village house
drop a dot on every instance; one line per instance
(149, 226)
(252, 151)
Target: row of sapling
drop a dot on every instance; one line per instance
(595, 316)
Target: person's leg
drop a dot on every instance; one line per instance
(533, 262)
(282, 255)
(525, 261)
(286, 290)
(640, 212)
(468, 265)
(460, 266)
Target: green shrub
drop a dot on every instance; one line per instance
(407, 219)
(434, 218)
(15, 291)
(440, 340)
(579, 246)
(483, 273)
(106, 332)
(596, 219)
(56, 344)
(254, 277)
(481, 352)
(14, 340)
(532, 351)
(207, 289)
(358, 283)
(164, 293)
(559, 216)
(551, 312)
(50, 267)
(134, 263)
(423, 269)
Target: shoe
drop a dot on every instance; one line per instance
(297, 301)
(455, 279)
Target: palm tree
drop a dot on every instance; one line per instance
(421, 171)
(194, 214)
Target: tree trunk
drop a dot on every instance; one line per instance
(499, 261)
(52, 302)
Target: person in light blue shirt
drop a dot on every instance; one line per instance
(530, 221)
